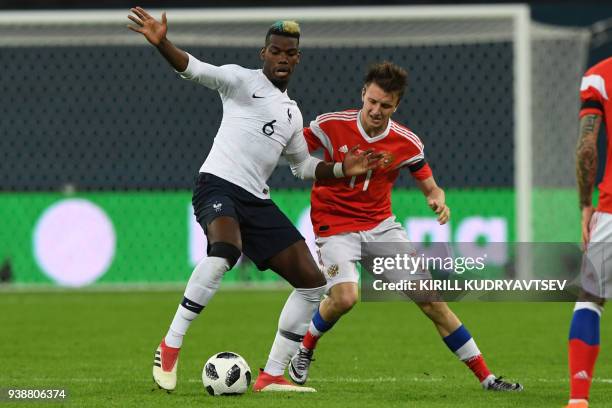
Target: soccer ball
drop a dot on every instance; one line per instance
(226, 373)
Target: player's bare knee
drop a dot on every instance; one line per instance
(344, 301)
(225, 250)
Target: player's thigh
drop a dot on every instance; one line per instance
(596, 272)
(296, 265)
(338, 256)
(389, 239)
(224, 229)
(389, 231)
(215, 210)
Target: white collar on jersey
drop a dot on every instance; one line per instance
(271, 84)
(367, 137)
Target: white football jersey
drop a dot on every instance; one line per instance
(259, 124)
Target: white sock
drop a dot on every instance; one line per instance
(281, 352)
(292, 326)
(203, 284)
(313, 330)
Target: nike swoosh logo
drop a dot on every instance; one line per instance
(257, 97)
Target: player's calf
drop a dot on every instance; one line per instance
(292, 325)
(441, 316)
(583, 348)
(341, 299)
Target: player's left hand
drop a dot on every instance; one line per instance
(439, 207)
(357, 162)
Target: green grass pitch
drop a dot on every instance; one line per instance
(100, 347)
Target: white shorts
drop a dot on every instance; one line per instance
(338, 254)
(597, 261)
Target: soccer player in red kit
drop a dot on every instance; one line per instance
(596, 276)
(347, 212)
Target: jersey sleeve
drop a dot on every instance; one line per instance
(420, 170)
(320, 138)
(592, 94)
(313, 142)
(223, 79)
(296, 145)
(302, 164)
(415, 161)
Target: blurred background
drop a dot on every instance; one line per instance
(100, 140)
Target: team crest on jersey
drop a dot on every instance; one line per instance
(387, 159)
(217, 206)
(332, 270)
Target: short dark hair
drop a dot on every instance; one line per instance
(286, 28)
(388, 76)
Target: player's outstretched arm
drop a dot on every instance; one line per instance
(306, 167)
(586, 168)
(356, 162)
(155, 33)
(436, 199)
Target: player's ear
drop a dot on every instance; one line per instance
(262, 52)
(363, 91)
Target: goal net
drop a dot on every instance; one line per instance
(91, 112)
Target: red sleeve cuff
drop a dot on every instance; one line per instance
(423, 173)
(590, 111)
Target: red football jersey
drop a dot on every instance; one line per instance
(595, 89)
(359, 203)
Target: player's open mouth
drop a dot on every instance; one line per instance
(281, 72)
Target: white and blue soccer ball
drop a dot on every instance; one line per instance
(226, 373)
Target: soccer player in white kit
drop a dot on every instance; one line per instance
(231, 199)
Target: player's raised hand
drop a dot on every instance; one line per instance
(440, 208)
(358, 162)
(587, 216)
(153, 30)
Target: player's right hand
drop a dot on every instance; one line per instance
(153, 30)
(587, 216)
(357, 162)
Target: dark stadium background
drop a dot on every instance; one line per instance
(144, 160)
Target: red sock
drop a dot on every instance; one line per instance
(582, 357)
(310, 340)
(478, 367)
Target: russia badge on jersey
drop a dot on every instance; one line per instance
(362, 202)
